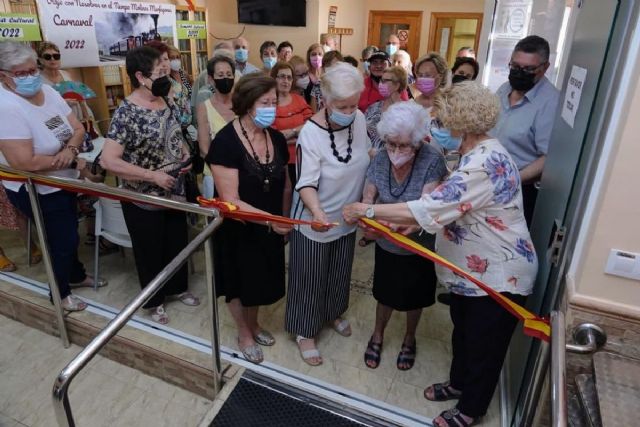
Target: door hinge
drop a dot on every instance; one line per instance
(556, 245)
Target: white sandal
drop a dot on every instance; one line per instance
(307, 355)
(73, 303)
(343, 327)
(159, 315)
(187, 298)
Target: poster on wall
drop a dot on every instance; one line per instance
(19, 27)
(100, 32)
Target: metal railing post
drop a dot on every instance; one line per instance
(213, 313)
(46, 258)
(60, 394)
(557, 372)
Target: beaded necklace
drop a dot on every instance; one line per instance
(333, 142)
(267, 168)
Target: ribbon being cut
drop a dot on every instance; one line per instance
(534, 326)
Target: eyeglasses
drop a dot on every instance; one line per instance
(383, 80)
(49, 56)
(530, 69)
(24, 74)
(402, 148)
(284, 77)
(302, 76)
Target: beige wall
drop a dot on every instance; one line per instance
(615, 225)
(351, 14)
(427, 7)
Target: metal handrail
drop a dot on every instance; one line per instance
(117, 192)
(60, 390)
(558, 374)
(61, 386)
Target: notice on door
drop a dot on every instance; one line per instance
(573, 94)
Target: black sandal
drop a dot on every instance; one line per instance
(442, 392)
(373, 354)
(406, 356)
(453, 418)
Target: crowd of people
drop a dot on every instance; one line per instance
(315, 136)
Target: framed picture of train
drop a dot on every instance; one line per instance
(98, 32)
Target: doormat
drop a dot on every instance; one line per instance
(251, 404)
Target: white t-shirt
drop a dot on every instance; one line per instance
(337, 183)
(46, 126)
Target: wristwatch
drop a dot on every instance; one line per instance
(370, 213)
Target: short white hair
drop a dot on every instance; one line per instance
(13, 54)
(405, 58)
(404, 119)
(223, 52)
(341, 81)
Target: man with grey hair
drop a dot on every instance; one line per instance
(528, 103)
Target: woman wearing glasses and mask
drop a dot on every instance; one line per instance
(292, 111)
(145, 147)
(334, 155)
(404, 169)
(39, 133)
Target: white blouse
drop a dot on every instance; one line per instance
(337, 183)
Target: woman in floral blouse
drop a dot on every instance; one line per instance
(479, 224)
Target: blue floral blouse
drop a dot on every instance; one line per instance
(477, 216)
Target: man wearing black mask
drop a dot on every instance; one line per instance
(529, 102)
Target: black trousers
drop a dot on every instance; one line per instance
(529, 196)
(59, 213)
(482, 330)
(157, 237)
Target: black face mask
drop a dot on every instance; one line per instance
(521, 80)
(457, 78)
(161, 86)
(223, 85)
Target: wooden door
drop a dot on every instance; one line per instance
(406, 25)
(448, 32)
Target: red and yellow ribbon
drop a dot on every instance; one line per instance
(534, 326)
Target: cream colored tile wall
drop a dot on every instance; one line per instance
(616, 224)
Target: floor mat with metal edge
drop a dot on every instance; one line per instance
(260, 401)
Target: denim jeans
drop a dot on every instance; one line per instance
(59, 212)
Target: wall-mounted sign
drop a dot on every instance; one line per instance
(191, 29)
(573, 94)
(333, 10)
(19, 27)
(95, 32)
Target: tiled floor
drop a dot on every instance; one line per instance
(105, 393)
(343, 357)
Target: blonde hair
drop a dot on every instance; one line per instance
(399, 76)
(467, 107)
(438, 61)
(171, 49)
(45, 46)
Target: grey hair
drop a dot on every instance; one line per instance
(223, 52)
(405, 118)
(341, 81)
(404, 57)
(13, 54)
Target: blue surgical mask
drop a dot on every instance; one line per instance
(365, 67)
(29, 85)
(391, 49)
(269, 62)
(265, 116)
(444, 139)
(342, 119)
(242, 55)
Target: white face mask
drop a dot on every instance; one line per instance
(175, 64)
(400, 159)
(303, 82)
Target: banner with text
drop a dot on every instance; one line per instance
(100, 32)
(20, 27)
(192, 29)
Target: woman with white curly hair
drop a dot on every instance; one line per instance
(479, 223)
(333, 156)
(404, 170)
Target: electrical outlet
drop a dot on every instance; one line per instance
(624, 264)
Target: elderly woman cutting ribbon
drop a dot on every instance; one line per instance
(477, 217)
